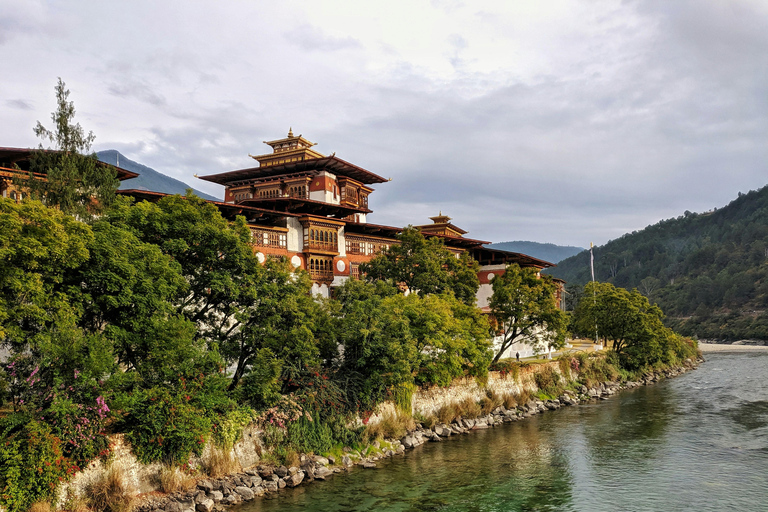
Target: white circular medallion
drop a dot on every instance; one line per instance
(491, 275)
(340, 266)
(295, 261)
(261, 257)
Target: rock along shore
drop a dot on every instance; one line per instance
(214, 495)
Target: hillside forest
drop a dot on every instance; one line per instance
(707, 271)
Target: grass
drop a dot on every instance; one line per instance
(173, 479)
(490, 401)
(110, 492)
(41, 506)
(393, 425)
(220, 462)
(426, 421)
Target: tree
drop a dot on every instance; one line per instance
(632, 325)
(524, 305)
(215, 258)
(278, 326)
(425, 266)
(621, 317)
(74, 180)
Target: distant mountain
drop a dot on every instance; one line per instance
(148, 179)
(547, 252)
(708, 271)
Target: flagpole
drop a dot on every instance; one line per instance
(594, 291)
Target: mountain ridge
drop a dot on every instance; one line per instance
(544, 251)
(148, 179)
(707, 271)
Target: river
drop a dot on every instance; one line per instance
(698, 442)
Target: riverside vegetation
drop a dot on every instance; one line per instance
(157, 322)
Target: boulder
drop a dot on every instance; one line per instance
(322, 472)
(255, 481)
(347, 461)
(172, 506)
(270, 486)
(368, 464)
(281, 471)
(245, 492)
(205, 506)
(294, 479)
(187, 505)
(323, 461)
(205, 485)
(216, 496)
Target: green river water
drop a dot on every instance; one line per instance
(698, 442)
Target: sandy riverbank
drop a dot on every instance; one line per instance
(722, 347)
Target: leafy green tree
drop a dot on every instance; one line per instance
(221, 271)
(127, 290)
(378, 348)
(39, 246)
(280, 319)
(524, 305)
(74, 180)
(622, 318)
(424, 266)
(631, 326)
(452, 339)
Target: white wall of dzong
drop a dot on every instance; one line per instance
(486, 290)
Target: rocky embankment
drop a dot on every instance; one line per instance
(214, 495)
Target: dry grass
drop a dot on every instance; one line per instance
(524, 396)
(468, 408)
(173, 479)
(490, 401)
(393, 425)
(427, 421)
(74, 503)
(446, 413)
(512, 400)
(110, 491)
(220, 462)
(41, 506)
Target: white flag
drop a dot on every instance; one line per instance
(592, 261)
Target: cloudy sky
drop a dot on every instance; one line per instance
(554, 121)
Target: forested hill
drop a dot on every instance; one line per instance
(148, 179)
(708, 271)
(547, 252)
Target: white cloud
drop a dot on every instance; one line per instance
(560, 121)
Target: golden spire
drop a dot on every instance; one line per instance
(290, 132)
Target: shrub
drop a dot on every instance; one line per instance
(547, 380)
(32, 463)
(164, 426)
(110, 492)
(229, 429)
(507, 368)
